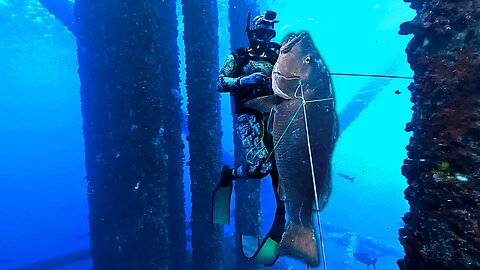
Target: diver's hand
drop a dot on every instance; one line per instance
(253, 79)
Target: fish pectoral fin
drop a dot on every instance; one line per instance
(262, 104)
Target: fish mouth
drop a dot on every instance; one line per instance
(276, 90)
(288, 78)
(286, 47)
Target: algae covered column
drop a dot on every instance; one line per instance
(442, 229)
(171, 109)
(124, 77)
(201, 52)
(248, 215)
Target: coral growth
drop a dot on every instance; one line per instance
(442, 229)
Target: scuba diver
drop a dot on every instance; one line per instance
(246, 75)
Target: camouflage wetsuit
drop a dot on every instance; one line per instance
(250, 128)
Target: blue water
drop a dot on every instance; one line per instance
(43, 198)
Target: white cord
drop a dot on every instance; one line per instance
(313, 179)
(304, 102)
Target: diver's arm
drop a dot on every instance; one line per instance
(226, 80)
(228, 83)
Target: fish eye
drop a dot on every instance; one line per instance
(307, 60)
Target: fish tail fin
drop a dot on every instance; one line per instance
(373, 263)
(299, 242)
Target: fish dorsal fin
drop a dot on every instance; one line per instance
(262, 104)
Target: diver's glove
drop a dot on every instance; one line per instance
(256, 78)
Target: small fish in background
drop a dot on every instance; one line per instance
(366, 259)
(5, 261)
(397, 92)
(347, 177)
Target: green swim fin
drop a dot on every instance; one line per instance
(265, 252)
(221, 204)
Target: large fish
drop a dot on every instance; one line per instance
(303, 155)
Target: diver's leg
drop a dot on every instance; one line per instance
(250, 129)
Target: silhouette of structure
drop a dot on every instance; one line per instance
(201, 51)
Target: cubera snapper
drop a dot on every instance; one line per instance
(304, 132)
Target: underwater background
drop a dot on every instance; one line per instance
(43, 199)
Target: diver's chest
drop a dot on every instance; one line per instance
(257, 66)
